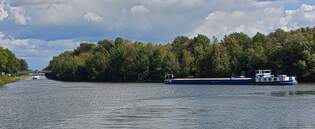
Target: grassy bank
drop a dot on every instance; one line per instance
(6, 79)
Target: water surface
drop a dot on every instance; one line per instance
(51, 104)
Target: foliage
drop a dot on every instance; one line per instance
(9, 63)
(123, 60)
(7, 79)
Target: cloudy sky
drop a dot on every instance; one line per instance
(37, 30)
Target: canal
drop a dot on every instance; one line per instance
(52, 104)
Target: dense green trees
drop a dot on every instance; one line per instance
(9, 63)
(118, 60)
(123, 60)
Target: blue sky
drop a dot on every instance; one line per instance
(37, 30)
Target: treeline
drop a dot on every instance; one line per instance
(290, 53)
(9, 63)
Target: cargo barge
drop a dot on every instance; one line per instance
(262, 77)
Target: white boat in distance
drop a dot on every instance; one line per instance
(37, 76)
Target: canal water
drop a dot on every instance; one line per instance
(50, 104)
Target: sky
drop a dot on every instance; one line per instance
(37, 30)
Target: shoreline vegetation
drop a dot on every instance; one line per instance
(10, 66)
(9, 79)
(121, 60)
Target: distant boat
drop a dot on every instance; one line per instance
(36, 77)
(262, 77)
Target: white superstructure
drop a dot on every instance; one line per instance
(266, 76)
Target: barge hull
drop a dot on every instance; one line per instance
(210, 81)
(225, 82)
(262, 77)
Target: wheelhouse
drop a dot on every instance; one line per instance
(265, 76)
(263, 73)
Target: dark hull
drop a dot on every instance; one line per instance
(226, 82)
(276, 83)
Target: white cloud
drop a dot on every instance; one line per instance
(14, 13)
(18, 15)
(174, 3)
(34, 2)
(36, 50)
(263, 18)
(172, 17)
(149, 20)
(121, 15)
(56, 14)
(139, 9)
(92, 17)
(3, 12)
(221, 23)
(35, 47)
(303, 16)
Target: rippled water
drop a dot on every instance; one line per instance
(50, 104)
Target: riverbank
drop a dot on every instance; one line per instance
(6, 79)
